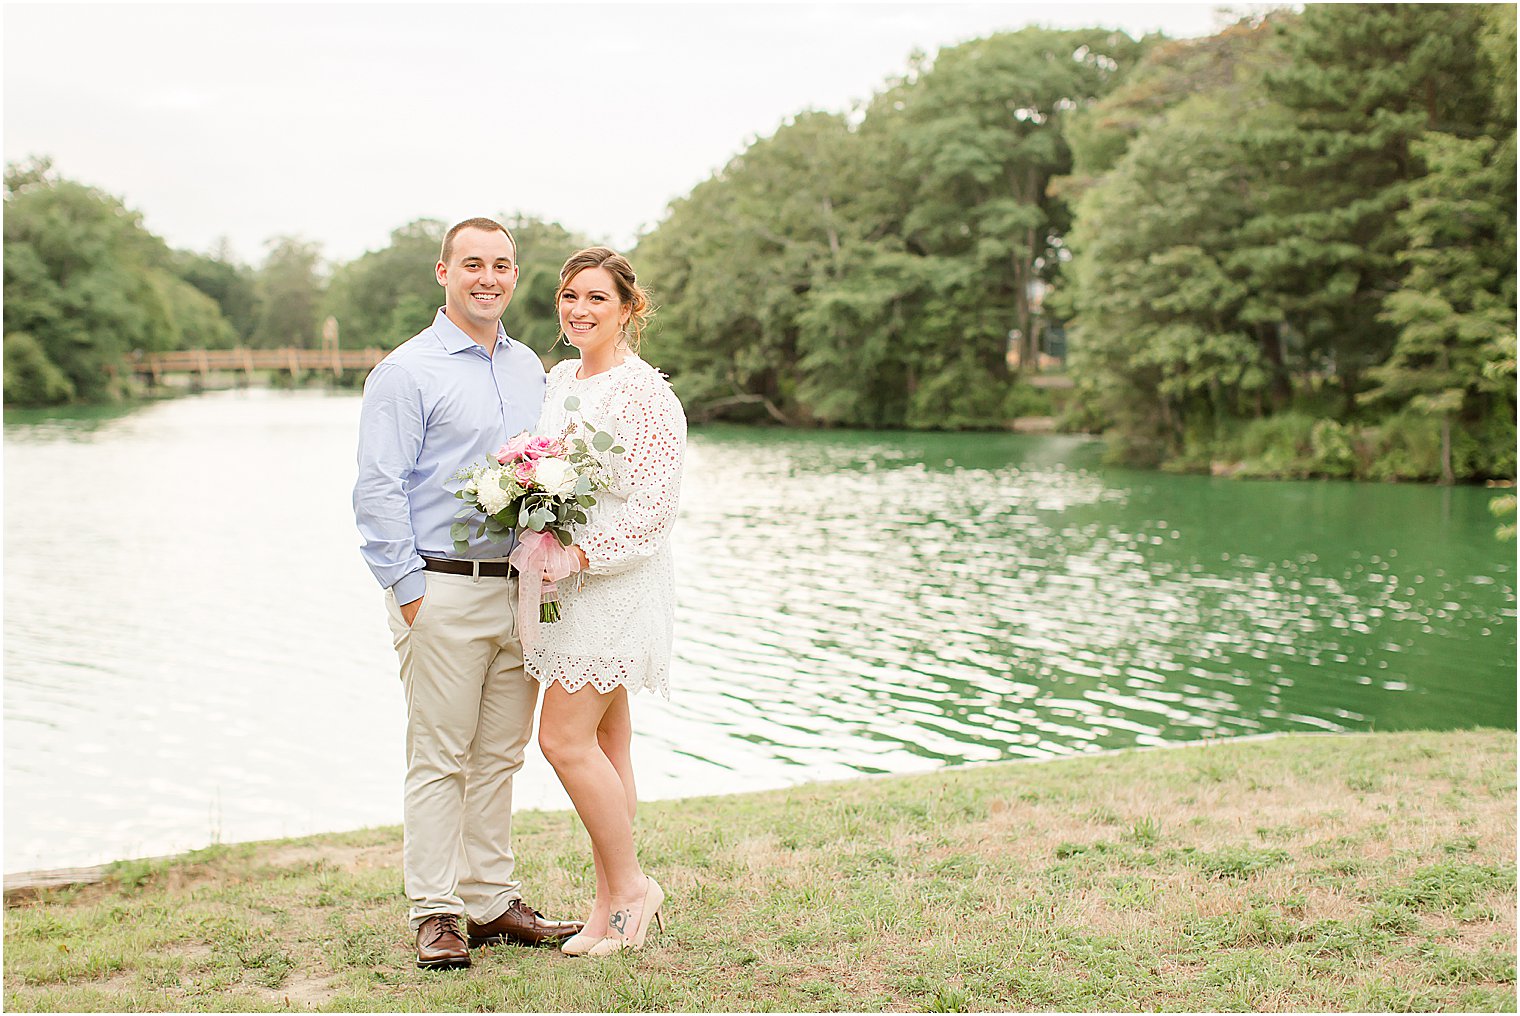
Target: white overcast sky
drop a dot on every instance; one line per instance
(341, 122)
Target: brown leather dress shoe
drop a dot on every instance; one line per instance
(439, 944)
(522, 924)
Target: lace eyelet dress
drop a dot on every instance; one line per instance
(617, 627)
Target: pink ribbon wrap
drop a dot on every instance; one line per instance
(538, 554)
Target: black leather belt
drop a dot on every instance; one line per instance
(454, 566)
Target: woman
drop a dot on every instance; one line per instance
(614, 632)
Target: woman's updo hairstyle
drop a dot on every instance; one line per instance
(628, 289)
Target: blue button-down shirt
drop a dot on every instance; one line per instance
(436, 404)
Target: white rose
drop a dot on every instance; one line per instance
(556, 476)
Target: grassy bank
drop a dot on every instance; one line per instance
(1354, 872)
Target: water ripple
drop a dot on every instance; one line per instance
(848, 603)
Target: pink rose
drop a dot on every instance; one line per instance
(514, 448)
(542, 447)
(524, 472)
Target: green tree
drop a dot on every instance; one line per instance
(1166, 340)
(1301, 197)
(1455, 308)
(189, 318)
(983, 139)
(869, 273)
(230, 284)
(384, 297)
(86, 285)
(1360, 83)
(31, 378)
(732, 265)
(290, 290)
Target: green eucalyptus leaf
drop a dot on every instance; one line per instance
(459, 531)
(602, 441)
(573, 402)
(565, 538)
(460, 546)
(618, 449)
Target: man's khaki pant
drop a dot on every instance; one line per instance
(469, 715)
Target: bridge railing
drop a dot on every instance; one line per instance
(153, 366)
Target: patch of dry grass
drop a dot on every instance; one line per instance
(1353, 872)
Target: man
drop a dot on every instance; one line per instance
(445, 399)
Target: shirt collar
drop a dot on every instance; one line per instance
(454, 338)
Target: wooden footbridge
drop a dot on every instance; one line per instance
(202, 363)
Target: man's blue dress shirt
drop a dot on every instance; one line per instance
(435, 405)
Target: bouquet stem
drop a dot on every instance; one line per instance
(548, 603)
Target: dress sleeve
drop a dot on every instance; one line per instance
(651, 427)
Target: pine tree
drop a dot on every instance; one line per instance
(1361, 83)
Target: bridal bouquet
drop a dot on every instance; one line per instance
(539, 487)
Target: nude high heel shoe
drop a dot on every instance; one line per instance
(579, 944)
(654, 897)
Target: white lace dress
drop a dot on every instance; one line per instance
(616, 629)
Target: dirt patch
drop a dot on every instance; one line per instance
(334, 857)
(303, 991)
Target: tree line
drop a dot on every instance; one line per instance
(1294, 247)
(88, 286)
(1285, 249)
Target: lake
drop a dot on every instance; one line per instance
(195, 652)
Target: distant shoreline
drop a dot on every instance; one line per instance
(1033, 426)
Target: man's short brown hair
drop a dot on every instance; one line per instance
(489, 225)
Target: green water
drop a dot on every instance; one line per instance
(190, 633)
(1012, 597)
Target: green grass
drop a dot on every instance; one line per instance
(1307, 873)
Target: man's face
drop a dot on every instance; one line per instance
(479, 278)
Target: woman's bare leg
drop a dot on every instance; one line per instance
(615, 737)
(569, 736)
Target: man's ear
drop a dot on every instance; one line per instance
(441, 273)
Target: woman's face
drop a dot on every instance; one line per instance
(590, 312)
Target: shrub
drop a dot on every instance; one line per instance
(31, 379)
(1406, 446)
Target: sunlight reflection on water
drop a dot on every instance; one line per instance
(207, 658)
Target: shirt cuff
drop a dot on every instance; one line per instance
(411, 587)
